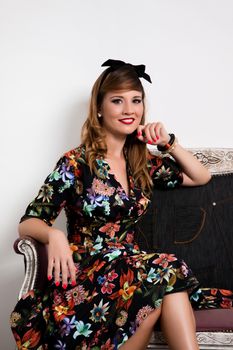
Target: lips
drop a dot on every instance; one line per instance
(127, 121)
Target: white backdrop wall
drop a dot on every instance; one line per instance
(51, 53)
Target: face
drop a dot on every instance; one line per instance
(122, 112)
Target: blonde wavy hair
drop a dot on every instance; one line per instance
(93, 136)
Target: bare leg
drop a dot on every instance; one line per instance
(141, 337)
(178, 322)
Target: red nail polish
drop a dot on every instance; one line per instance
(73, 283)
(150, 143)
(49, 278)
(155, 140)
(139, 133)
(64, 286)
(57, 283)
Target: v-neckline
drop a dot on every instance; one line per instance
(128, 195)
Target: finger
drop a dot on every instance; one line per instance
(152, 131)
(57, 270)
(162, 134)
(72, 271)
(64, 270)
(50, 268)
(147, 133)
(158, 130)
(140, 132)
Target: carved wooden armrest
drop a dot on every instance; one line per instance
(35, 262)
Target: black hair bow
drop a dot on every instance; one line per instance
(115, 64)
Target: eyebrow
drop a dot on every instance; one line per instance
(118, 96)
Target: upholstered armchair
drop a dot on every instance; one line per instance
(205, 213)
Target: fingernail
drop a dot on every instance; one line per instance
(155, 139)
(73, 283)
(64, 286)
(139, 133)
(150, 143)
(49, 278)
(57, 283)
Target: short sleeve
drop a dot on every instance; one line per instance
(53, 194)
(165, 172)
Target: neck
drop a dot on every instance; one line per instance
(115, 147)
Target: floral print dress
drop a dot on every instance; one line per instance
(117, 284)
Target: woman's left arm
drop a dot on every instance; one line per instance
(194, 173)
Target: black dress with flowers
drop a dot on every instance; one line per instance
(117, 284)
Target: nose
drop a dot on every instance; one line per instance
(128, 109)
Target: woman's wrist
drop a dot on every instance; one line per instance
(55, 233)
(169, 146)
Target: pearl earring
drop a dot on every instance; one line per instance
(99, 115)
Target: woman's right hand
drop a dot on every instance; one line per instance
(60, 261)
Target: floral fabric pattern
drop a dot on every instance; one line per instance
(117, 284)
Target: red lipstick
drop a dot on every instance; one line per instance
(127, 121)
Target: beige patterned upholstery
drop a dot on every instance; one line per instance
(217, 160)
(206, 340)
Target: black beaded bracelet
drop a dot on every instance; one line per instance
(168, 145)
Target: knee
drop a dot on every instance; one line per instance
(151, 319)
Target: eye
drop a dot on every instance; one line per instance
(116, 101)
(137, 100)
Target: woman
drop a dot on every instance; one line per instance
(103, 293)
